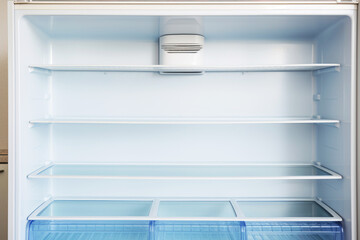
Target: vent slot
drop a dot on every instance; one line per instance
(181, 48)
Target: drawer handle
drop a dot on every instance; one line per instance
(1, 171)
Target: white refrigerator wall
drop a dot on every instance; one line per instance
(105, 37)
(334, 144)
(33, 148)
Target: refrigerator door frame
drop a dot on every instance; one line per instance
(358, 124)
(11, 125)
(189, 2)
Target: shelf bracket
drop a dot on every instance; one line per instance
(317, 97)
(39, 70)
(317, 163)
(327, 70)
(337, 125)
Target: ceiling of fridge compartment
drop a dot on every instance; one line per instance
(212, 27)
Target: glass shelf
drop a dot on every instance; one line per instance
(172, 209)
(214, 209)
(185, 120)
(186, 69)
(88, 208)
(183, 172)
(281, 209)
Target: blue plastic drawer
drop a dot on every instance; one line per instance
(182, 230)
(194, 230)
(88, 230)
(294, 231)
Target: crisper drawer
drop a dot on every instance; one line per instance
(183, 230)
(194, 230)
(134, 230)
(294, 231)
(88, 230)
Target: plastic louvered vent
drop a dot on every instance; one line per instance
(294, 231)
(181, 48)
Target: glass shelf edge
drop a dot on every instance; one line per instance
(331, 174)
(334, 217)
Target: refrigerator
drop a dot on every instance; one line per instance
(182, 120)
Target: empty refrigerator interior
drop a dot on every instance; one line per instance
(260, 140)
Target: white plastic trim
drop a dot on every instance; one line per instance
(42, 207)
(327, 208)
(237, 209)
(327, 170)
(36, 172)
(154, 208)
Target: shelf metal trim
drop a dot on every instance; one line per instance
(185, 69)
(152, 216)
(332, 175)
(185, 121)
